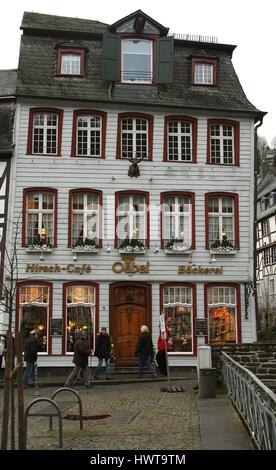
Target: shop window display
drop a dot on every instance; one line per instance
(80, 315)
(178, 312)
(34, 313)
(222, 314)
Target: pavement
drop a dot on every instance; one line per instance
(127, 413)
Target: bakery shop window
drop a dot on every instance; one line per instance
(222, 314)
(178, 311)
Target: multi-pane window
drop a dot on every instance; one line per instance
(204, 74)
(40, 217)
(265, 227)
(222, 148)
(131, 215)
(180, 141)
(267, 257)
(273, 255)
(178, 311)
(85, 217)
(222, 314)
(134, 137)
(80, 315)
(70, 64)
(136, 61)
(89, 136)
(177, 217)
(45, 133)
(221, 220)
(34, 313)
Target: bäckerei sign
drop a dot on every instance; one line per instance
(185, 269)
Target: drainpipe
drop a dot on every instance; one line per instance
(255, 225)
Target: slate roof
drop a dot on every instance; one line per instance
(37, 70)
(38, 21)
(7, 82)
(7, 109)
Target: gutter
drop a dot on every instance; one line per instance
(255, 225)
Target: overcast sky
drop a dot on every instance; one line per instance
(249, 24)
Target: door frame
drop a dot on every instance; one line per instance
(113, 286)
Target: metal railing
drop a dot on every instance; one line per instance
(194, 37)
(255, 402)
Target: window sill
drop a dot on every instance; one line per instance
(223, 251)
(38, 249)
(177, 251)
(132, 251)
(85, 250)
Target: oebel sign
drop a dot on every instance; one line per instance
(129, 266)
(57, 268)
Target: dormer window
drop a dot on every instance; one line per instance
(204, 71)
(136, 62)
(70, 61)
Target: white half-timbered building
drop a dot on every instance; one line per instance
(101, 245)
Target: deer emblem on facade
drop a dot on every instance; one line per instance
(134, 170)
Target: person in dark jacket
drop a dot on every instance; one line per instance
(82, 351)
(144, 350)
(102, 351)
(30, 357)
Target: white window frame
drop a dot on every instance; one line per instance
(45, 127)
(85, 214)
(220, 300)
(177, 215)
(201, 75)
(175, 296)
(67, 66)
(40, 211)
(81, 303)
(179, 135)
(38, 303)
(131, 217)
(221, 215)
(137, 80)
(222, 139)
(135, 142)
(89, 130)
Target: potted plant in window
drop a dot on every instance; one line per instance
(132, 246)
(223, 245)
(176, 246)
(40, 243)
(86, 245)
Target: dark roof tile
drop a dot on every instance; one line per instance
(8, 82)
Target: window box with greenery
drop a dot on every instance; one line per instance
(223, 247)
(39, 243)
(86, 246)
(133, 246)
(177, 247)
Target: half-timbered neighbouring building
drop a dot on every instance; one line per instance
(266, 249)
(7, 110)
(134, 177)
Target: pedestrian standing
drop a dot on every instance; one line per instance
(103, 351)
(144, 350)
(82, 351)
(161, 354)
(30, 357)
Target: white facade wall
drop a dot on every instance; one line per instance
(110, 175)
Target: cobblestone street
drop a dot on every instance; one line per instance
(142, 417)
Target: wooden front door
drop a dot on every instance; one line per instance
(130, 308)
